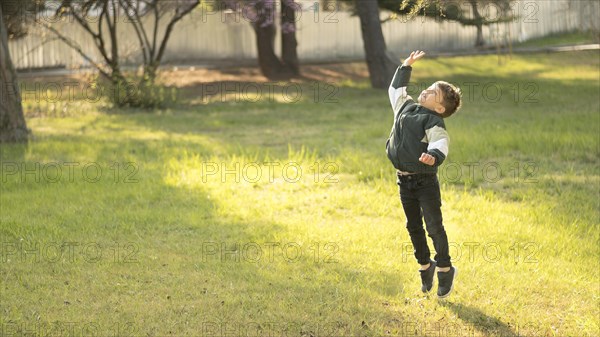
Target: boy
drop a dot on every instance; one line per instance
(418, 144)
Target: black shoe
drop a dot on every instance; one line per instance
(427, 277)
(445, 282)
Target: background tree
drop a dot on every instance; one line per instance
(14, 18)
(380, 64)
(100, 19)
(262, 16)
(467, 13)
(289, 44)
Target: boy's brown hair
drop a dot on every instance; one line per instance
(452, 98)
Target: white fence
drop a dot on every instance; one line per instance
(322, 36)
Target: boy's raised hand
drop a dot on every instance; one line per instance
(414, 56)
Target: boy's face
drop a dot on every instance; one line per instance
(432, 98)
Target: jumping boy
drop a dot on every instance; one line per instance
(418, 144)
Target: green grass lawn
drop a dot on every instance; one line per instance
(275, 218)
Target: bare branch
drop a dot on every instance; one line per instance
(174, 20)
(112, 29)
(139, 29)
(155, 34)
(77, 48)
(99, 39)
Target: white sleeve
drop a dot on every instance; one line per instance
(397, 98)
(438, 139)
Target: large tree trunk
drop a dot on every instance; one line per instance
(381, 67)
(479, 41)
(289, 43)
(12, 121)
(270, 65)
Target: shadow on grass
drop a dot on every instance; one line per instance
(476, 319)
(251, 92)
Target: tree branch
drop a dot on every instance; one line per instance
(174, 20)
(138, 30)
(155, 34)
(112, 29)
(99, 39)
(77, 48)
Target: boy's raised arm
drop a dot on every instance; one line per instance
(397, 89)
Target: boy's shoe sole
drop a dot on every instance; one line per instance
(452, 286)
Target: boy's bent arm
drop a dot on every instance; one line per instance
(397, 89)
(439, 141)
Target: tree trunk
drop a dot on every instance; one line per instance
(270, 65)
(289, 44)
(12, 121)
(381, 66)
(121, 92)
(479, 42)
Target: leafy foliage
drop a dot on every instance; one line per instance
(18, 14)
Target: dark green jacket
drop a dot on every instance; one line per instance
(416, 129)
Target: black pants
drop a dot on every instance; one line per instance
(420, 196)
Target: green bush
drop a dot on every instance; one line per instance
(140, 93)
